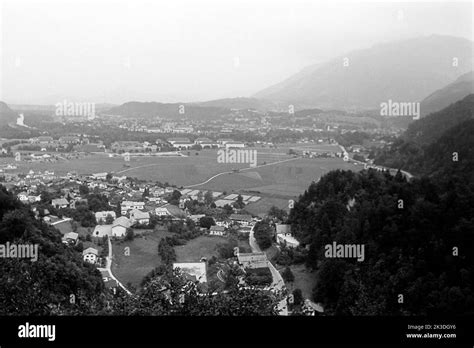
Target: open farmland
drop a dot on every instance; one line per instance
(287, 179)
(277, 174)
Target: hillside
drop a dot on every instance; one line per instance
(240, 103)
(457, 90)
(406, 251)
(7, 115)
(428, 144)
(406, 71)
(436, 215)
(47, 283)
(167, 110)
(430, 128)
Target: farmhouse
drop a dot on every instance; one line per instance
(60, 203)
(119, 227)
(241, 219)
(126, 206)
(70, 238)
(288, 240)
(284, 236)
(217, 231)
(139, 217)
(90, 255)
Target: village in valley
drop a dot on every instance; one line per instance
(207, 198)
(109, 218)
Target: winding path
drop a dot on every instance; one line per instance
(408, 175)
(278, 283)
(109, 269)
(241, 170)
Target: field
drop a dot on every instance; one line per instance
(143, 257)
(277, 178)
(66, 227)
(304, 280)
(192, 169)
(197, 248)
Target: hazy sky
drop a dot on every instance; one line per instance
(188, 50)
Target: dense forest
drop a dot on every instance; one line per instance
(428, 144)
(418, 234)
(44, 286)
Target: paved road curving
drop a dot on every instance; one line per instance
(241, 170)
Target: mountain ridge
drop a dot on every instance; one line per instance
(378, 73)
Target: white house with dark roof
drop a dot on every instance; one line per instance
(90, 255)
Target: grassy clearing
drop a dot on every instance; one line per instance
(244, 246)
(263, 205)
(143, 257)
(66, 227)
(197, 248)
(304, 280)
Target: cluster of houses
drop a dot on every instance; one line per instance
(118, 228)
(324, 154)
(177, 143)
(76, 140)
(205, 143)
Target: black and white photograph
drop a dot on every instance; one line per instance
(276, 171)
